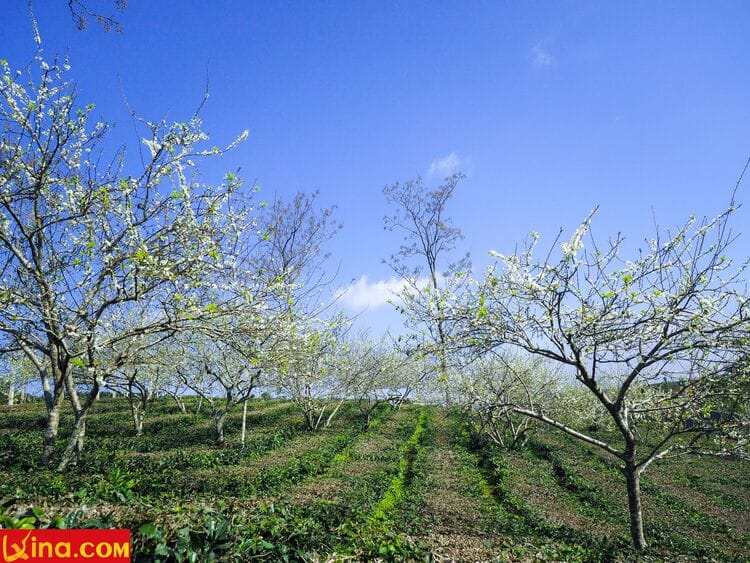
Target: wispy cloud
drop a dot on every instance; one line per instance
(447, 165)
(540, 56)
(364, 294)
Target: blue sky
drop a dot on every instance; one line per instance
(550, 108)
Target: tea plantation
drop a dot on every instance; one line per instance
(412, 484)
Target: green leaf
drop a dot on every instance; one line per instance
(141, 255)
(148, 530)
(78, 362)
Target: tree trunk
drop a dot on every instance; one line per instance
(310, 419)
(366, 406)
(220, 418)
(54, 393)
(80, 410)
(244, 422)
(333, 413)
(51, 429)
(442, 340)
(75, 442)
(180, 403)
(138, 416)
(138, 405)
(49, 396)
(11, 392)
(139, 424)
(444, 379)
(633, 480)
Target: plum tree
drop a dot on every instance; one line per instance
(654, 340)
(96, 257)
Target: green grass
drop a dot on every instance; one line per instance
(413, 483)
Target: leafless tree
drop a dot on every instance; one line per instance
(82, 13)
(420, 215)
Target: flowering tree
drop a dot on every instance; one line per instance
(141, 380)
(96, 257)
(487, 387)
(303, 339)
(17, 372)
(220, 372)
(654, 340)
(377, 373)
(306, 359)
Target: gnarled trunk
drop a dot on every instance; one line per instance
(74, 447)
(308, 409)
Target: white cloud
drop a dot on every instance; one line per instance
(364, 294)
(540, 56)
(447, 165)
